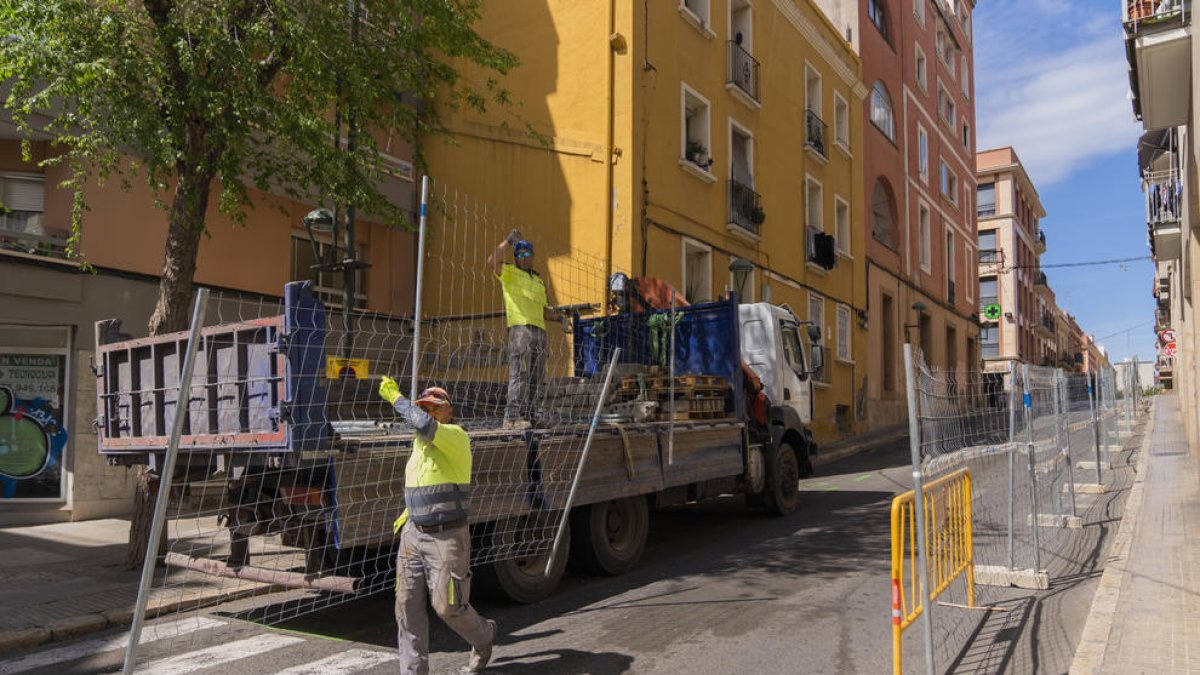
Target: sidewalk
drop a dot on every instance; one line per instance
(64, 580)
(1146, 614)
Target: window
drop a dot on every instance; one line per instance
(816, 314)
(745, 290)
(881, 111)
(887, 317)
(923, 248)
(988, 289)
(923, 153)
(814, 222)
(697, 271)
(989, 339)
(950, 271)
(812, 89)
(922, 68)
(843, 333)
(877, 13)
(741, 154)
(327, 285)
(697, 9)
(696, 133)
(965, 80)
(949, 183)
(841, 219)
(22, 203)
(841, 121)
(985, 204)
(883, 214)
(966, 136)
(919, 11)
(946, 107)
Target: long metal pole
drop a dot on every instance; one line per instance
(1065, 398)
(914, 442)
(1095, 424)
(1033, 503)
(1058, 447)
(416, 360)
(671, 425)
(562, 525)
(1012, 462)
(164, 482)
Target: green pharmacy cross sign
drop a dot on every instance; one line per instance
(992, 312)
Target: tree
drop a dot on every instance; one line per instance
(198, 96)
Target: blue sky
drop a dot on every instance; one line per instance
(1051, 81)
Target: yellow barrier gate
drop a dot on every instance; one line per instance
(948, 549)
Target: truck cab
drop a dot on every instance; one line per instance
(772, 347)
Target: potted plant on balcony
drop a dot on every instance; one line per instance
(698, 154)
(757, 215)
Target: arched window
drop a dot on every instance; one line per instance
(883, 214)
(881, 111)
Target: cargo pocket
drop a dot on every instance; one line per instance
(458, 593)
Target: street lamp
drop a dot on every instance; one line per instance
(324, 221)
(920, 309)
(741, 269)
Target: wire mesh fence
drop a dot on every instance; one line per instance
(1032, 441)
(292, 465)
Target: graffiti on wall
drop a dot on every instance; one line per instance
(32, 435)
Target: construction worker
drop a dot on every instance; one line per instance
(526, 311)
(434, 557)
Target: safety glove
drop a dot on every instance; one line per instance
(513, 237)
(389, 390)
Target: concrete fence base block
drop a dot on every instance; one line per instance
(991, 575)
(1090, 488)
(1056, 520)
(1091, 466)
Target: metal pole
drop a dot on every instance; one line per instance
(1058, 447)
(671, 425)
(914, 436)
(164, 483)
(1095, 424)
(416, 360)
(1102, 408)
(1065, 398)
(562, 525)
(1012, 451)
(1033, 504)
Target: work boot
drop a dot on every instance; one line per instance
(482, 654)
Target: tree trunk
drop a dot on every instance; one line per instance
(171, 314)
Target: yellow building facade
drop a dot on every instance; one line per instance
(674, 139)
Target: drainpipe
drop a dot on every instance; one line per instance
(608, 147)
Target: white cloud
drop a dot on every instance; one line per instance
(1054, 86)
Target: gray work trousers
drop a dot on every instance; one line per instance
(526, 370)
(434, 569)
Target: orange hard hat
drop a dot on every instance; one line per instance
(434, 396)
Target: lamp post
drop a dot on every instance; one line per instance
(741, 269)
(325, 222)
(920, 309)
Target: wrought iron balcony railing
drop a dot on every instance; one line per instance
(1164, 196)
(816, 133)
(743, 70)
(745, 207)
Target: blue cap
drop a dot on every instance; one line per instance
(522, 245)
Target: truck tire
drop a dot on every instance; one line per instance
(783, 481)
(521, 579)
(610, 537)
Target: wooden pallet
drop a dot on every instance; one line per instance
(681, 381)
(685, 415)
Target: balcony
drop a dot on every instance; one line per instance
(746, 214)
(27, 243)
(1158, 45)
(816, 133)
(1045, 327)
(743, 75)
(1039, 242)
(1041, 284)
(1164, 213)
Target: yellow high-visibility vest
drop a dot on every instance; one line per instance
(524, 297)
(444, 462)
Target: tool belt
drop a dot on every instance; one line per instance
(434, 529)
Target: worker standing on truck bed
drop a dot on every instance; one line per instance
(526, 310)
(434, 558)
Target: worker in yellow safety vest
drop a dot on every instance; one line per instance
(526, 310)
(434, 556)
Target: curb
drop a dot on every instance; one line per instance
(91, 622)
(852, 448)
(1093, 642)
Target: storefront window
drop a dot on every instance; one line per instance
(33, 412)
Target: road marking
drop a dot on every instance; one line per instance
(223, 653)
(79, 650)
(865, 476)
(351, 661)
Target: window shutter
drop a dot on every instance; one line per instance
(22, 194)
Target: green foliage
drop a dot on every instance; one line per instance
(241, 91)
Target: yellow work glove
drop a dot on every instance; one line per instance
(400, 522)
(389, 390)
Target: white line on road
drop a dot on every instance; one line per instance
(215, 656)
(351, 661)
(79, 650)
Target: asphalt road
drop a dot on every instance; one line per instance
(721, 589)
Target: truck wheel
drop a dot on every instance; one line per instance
(610, 537)
(522, 579)
(783, 481)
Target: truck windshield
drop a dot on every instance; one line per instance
(791, 346)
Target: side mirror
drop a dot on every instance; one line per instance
(814, 333)
(818, 356)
